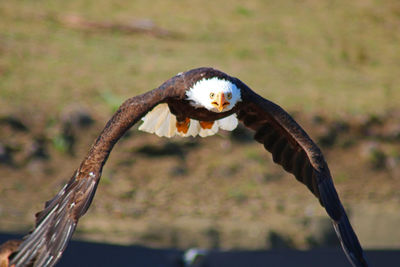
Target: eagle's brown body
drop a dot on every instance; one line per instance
(290, 146)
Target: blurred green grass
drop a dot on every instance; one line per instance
(332, 58)
(335, 56)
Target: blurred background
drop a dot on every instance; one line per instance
(66, 66)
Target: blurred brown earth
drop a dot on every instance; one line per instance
(218, 192)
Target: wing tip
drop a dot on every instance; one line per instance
(349, 242)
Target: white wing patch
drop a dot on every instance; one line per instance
(159, 121)
(162, 122)
(228, 123)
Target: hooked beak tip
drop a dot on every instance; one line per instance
(220, 104)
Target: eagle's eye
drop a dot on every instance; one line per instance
(229, 95)
(212, 95)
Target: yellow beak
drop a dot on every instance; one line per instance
(219, 101)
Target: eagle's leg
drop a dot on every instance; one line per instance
(206, 124)
(183, 126)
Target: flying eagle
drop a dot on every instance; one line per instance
(196, 102)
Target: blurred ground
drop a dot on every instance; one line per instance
(89, 254)
(66, 66)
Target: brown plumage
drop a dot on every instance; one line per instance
(290, 146)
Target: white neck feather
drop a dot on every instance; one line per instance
(199, 94)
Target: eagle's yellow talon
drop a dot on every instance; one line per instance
(183, 126)
(206, 124)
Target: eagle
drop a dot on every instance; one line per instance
(196, 102)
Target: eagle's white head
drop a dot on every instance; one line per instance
(214, 94)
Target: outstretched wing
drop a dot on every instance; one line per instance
(56, 223)
(281, 135)
(293, 149)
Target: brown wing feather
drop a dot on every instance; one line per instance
(284, 148)
(56, 223)
(294, 150)
(281, 135)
